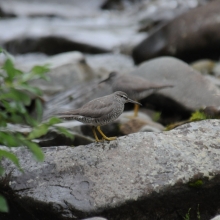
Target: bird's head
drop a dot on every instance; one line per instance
(123, 97)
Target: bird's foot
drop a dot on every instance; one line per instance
(109, 138)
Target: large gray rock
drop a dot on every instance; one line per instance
(188, 37)
(66, 70)
(139, 176)
(191, 90)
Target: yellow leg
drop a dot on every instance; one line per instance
(103, 135)
(136, 108)
(94, 132)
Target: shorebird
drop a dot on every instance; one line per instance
(136, 87)
(100, 111)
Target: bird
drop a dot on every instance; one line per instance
(100, 111)
(136, 87)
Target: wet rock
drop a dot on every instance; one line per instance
(57, 8)
(166, 173)
(191, 90)
(95, 34)
(183, 38)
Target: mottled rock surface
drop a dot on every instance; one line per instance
(183, 38)
(139, 176)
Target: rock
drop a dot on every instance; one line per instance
(141, 123)
(216, 218)
(66, 71)
(105, 63)
(191, 90)
(183, 38)
(213, 79)
(139, 176)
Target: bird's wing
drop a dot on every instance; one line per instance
(98, 107)
(138, 84)
(94, 109)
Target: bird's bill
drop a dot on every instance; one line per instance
(105, 80)
(132, 101)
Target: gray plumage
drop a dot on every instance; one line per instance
(100, 111)
(135, 87)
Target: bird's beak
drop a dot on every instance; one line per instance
(105, 80)
(132, 101)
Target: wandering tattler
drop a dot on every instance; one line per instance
(136, 87)
(100, 111)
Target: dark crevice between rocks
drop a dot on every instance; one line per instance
(56, 139)
(49, 46)
(157, 46)
(212, 52)
(171, 111)
(117, 4)
(174, 205)
(6, 15)
(53, 138)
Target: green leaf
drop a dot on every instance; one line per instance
(9, 68)
(53, 121)
(65, 132)
(38, 131)
(33, 90)
(16, 95)
(8, 139)
(10, 156)
(39, 109)
(198, 116)
(2, 171)
(3, 204)
(36, 150)
(40, 70)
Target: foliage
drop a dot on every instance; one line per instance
(187, 217)
(156, 116)
(198, 115)
(3, 204)
(196, 184)
(16, 95)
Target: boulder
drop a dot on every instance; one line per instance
(191, 90)
(139, 176)
(189, 37)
